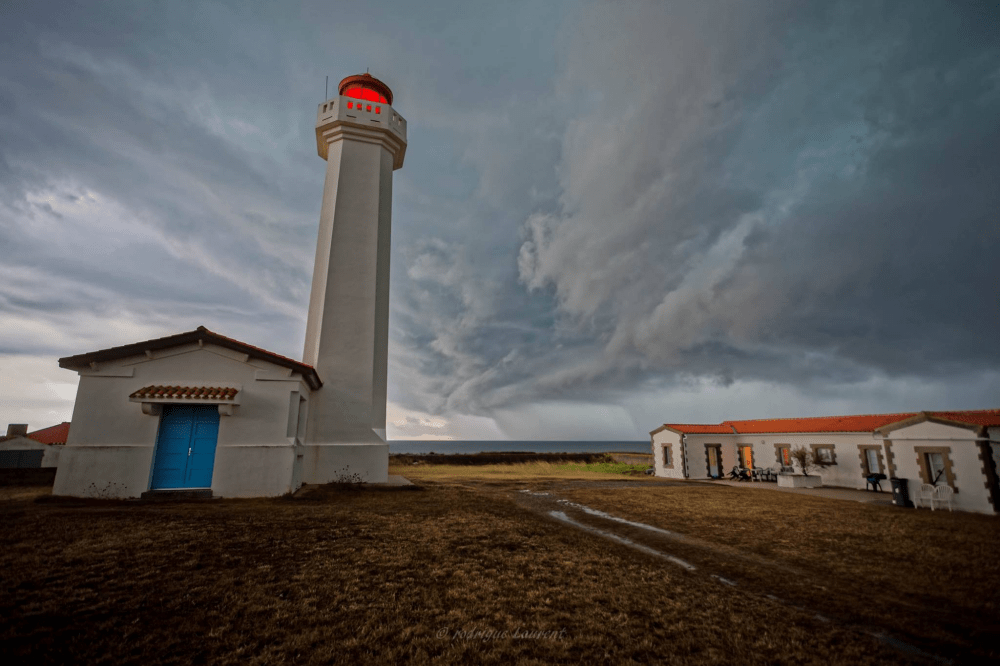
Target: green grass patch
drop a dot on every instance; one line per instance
(605, 468)
(521, 471)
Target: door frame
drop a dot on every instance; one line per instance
(718, 460)
(163, 408)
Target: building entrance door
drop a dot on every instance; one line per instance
(714, 461)
(185, 446)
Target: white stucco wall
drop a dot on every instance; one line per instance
(326, 463)
(848, 470)
(967, 467)
(347, 331)
(846, 473)
(111, 444)
(672, 439)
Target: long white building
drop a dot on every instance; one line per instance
(959, 449)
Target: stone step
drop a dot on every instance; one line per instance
(173, 495)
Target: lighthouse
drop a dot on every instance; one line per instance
(200, 414)
(363, 140)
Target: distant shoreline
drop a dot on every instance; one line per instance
(451, 446)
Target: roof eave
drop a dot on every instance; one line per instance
(927, 417)
(199, 334)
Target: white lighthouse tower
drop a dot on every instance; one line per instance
(363, 140)
(205, 415)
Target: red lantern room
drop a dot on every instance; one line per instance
(367, 87)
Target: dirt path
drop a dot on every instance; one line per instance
(745, 572)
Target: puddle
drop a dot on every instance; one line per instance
(608, 516)
(559, 515)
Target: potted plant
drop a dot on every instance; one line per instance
(807, 460)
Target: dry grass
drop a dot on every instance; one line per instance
(903, 550)
(369, 577)
(920, 573)
(8, 493)
(930, 578)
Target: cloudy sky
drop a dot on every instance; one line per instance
(612, 214)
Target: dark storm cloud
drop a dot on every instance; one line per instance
(606, 209)
(860, 245)
(180, 195)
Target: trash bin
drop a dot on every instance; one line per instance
(900, 492)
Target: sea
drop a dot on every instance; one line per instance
(424, 447)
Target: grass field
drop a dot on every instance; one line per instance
(464, 571)
(516, 471)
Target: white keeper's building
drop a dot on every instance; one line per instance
(960, 449)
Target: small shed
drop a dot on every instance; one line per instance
(193, 411)
(21, 449)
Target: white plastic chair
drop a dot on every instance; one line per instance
(941, 495)
(925, 496)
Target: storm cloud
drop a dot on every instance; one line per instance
(612, 214)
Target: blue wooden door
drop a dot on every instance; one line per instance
(185, 446)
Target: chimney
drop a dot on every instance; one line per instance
(17, 429)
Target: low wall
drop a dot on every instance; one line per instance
(500, 457)
(633, 458)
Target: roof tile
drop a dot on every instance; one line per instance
(851, 423)
(981, 417)
(700, 429)
(214, 393)
(56, 434)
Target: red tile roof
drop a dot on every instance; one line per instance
(860, 423)
(981, 417)
(199, 334)
(56, 434)
(856, 423)
(700, 429)
(187, 392)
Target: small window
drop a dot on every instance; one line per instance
(368, 108)
(350, 105)
(935, 467)
(824, 454)
(666, 456)
(786, 456)
(871, 457)
(378, 109)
